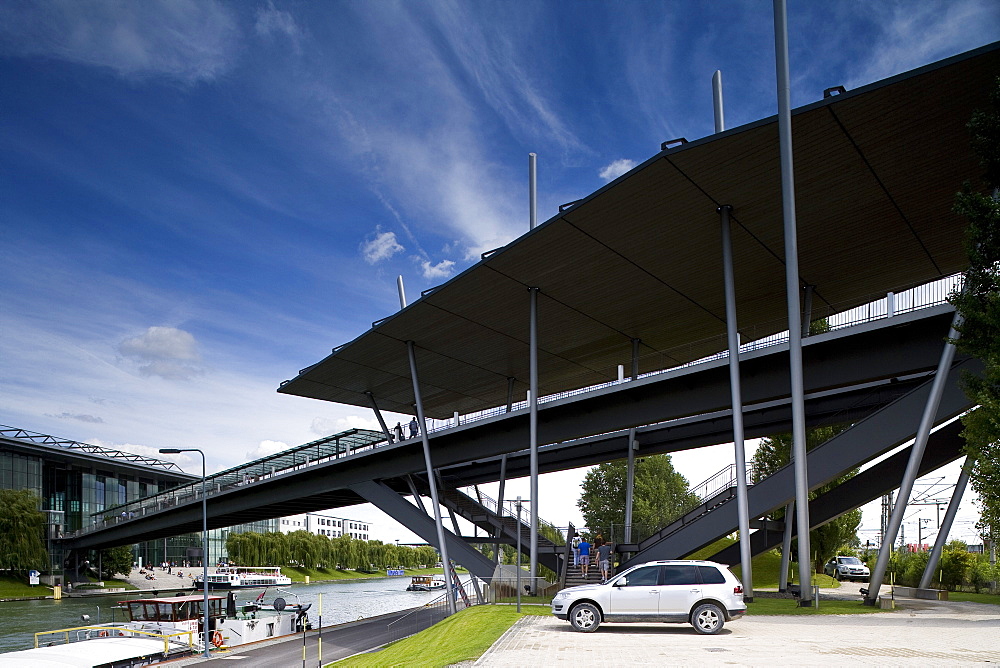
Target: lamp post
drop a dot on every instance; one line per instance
(204, 539)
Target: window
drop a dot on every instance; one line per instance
(710, 575)
(643, 577)
(680, 575)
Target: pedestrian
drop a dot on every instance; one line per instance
(576, 550)
(584, 558)
(398, 429)
(414, 428)
(604, 560)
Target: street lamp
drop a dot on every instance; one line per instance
(204, 537)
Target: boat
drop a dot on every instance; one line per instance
(426, 583)
(160, 628)
(244, 577)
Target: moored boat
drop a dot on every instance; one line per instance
(244, 577)
(426, 583)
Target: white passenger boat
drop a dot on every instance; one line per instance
(157, 629)
(426, 583)
(244, 577)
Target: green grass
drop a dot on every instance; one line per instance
(789, 606)
(993, 599)
(462, 637)
(766, 567)
(298, 573)
(18, 587)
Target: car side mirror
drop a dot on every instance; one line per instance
(621, 582)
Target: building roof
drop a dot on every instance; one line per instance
(876, 171)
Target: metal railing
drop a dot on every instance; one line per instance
(428, 614)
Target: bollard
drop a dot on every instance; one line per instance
(307, 579)
(57, 592)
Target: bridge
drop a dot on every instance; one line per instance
(632, 277)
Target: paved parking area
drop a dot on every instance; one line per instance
(920, 633)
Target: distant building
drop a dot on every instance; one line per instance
(321, 524)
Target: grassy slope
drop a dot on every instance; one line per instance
(18, 587)
(766, 567)
(461, 637)
(993, 599)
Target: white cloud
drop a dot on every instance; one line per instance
(616, 168)
(266, 448)
(272, 22)
(382, 247)
(442, 269)
(167, 352)
(186, 40)
(82, 417)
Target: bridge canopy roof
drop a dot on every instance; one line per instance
(876, 171)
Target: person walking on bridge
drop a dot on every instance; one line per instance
(398, 431)
(414, 428)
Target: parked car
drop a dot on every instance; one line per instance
(847, 568)
(701, 593)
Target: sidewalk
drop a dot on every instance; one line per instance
(919, 633)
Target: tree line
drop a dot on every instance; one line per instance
(302, 548)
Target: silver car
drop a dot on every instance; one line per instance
(847, 568)
(701, 593)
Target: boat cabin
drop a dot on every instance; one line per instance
(175, 609)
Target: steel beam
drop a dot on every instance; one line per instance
(533, 432)
(927, 421)
(431, 482)
(378, 414)
(949, 519)
(392, 504)
(736, 394)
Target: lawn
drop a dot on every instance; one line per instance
(18, 587)
(992, 599)
(461, 637)
(789, 606)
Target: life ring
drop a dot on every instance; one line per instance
(103, 634)
(217, 639)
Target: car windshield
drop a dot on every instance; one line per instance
(853, 561)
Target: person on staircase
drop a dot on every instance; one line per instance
(584, 548)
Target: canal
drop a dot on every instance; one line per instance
(343, 601)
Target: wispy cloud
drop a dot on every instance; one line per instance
(325, 426)
(82, 417)
(185, 40)
(380, 247)
(272, 23)
(442, 269)
(167, 352)
(616, 168)
(266, 448)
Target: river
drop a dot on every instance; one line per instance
(343, 601)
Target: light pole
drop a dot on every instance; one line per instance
(204, 538)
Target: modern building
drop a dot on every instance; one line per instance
(320, 524)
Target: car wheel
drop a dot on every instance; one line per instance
(585, 617)
(707, 618)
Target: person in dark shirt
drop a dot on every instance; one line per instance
(604, 560)
(585, 558)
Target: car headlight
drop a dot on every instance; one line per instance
(560, 595)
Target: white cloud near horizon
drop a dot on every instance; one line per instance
(616, 168)
(380, 247)
(185, 40)
(167, 352)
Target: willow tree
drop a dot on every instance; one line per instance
(22, 531)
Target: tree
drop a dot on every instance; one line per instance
(661, 494)
(979, 305)
(775, 452)
(22, 531)
(115, 560)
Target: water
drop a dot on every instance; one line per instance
(342, 602)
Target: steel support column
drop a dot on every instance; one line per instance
(633, 445)
(533, 432)
(792, 294)
(807, 309)
(733, 338)
(378, 414)
(910, 475)
(949, 519)
(500, 498)
(786, 547)
(431, 482)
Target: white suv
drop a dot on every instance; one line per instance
(702, 593)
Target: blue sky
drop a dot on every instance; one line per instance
(200, 198)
